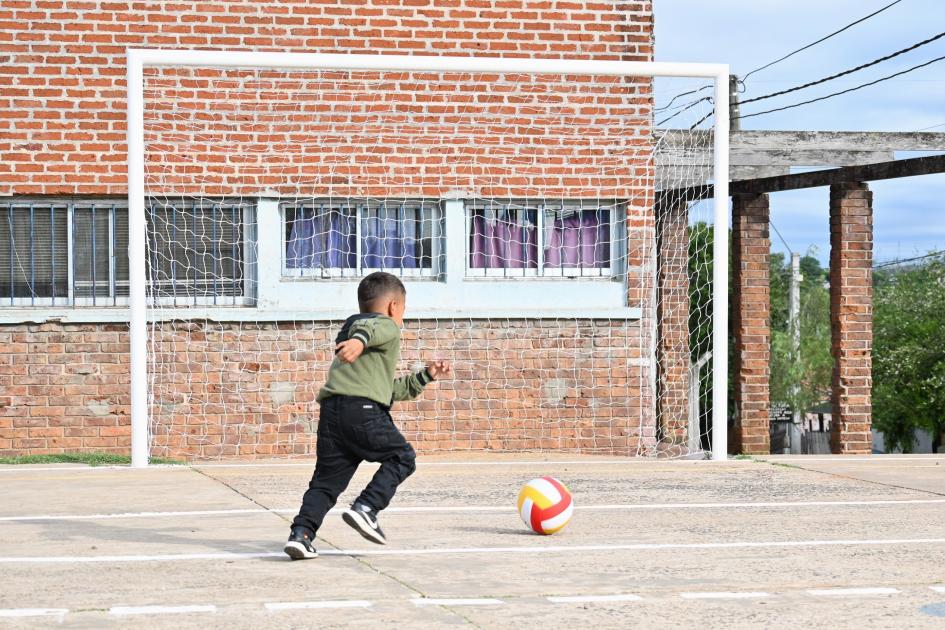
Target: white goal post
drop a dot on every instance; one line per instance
(139, 59)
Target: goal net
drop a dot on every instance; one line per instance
(551, 229)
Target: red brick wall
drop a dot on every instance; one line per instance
(248, 390)
(62, 130)
(62, 110)
(851, 314)
(751, 322)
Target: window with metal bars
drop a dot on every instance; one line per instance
(55, 253)
(197, 252)
(350, 238)
(571, 239)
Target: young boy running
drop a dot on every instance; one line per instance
(354, 421)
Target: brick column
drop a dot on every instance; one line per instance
(672, 316)
(851, 315)
(751, 323)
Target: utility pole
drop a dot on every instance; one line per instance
(735, 123)
(794, 326)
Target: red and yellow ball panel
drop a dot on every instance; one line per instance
(545, 505)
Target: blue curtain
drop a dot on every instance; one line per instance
(389, 238)
(325, 238)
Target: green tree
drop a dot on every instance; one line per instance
(803, 379)
(909, 354)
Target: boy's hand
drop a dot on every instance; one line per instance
(439, 369)
(349, 350)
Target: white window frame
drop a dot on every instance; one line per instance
(109, 208)
(359, 270)
(247, 214)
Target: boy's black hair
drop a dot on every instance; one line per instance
(376, 286)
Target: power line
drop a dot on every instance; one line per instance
(791, 54)
(932, 127)
(845, 72)
(778, 232)
(688, 107)
(670, 104)
(853, 89)
(905, 260)
(822, 39)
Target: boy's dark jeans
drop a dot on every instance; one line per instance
(351, 430)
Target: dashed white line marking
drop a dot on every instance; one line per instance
(724, 595)
(159, 610)
(853, 592)
(577, 599)
(33, 612)
(339, 603)
(530, 549)
(484, 509)
(465, 601)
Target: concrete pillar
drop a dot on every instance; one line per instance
(851, 315)
(672, 316)
(751, 323)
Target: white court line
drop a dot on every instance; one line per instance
(721, 595)
(529, 549)
(482, 508)
(421, 464)
(338, 603)
(34, 612)
(938, 589)
(465, 601)
(852, 592)
(159, 610)
(607, 462)
(577, 599)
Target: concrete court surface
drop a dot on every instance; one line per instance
(785, 541)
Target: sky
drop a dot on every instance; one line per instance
(909, 214)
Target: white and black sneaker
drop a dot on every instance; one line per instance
(364, 520)
(299, 546)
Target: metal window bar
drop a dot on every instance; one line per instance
(152, 243)
(32, 259)
(192, 289)
(72, 253)
(112, 250)
(94, 259)
(173, 258)
(400, 235)
(236, 232)
(215, 248)
(12, 247)
(418, 212)
(52, 248)
(359, 215)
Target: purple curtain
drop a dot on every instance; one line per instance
(326, 238)
(581, 239)
(505, 239)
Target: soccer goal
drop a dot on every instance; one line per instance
(549, 218)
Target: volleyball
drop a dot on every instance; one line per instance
(545, 505)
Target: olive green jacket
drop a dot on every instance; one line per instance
(371, 375)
